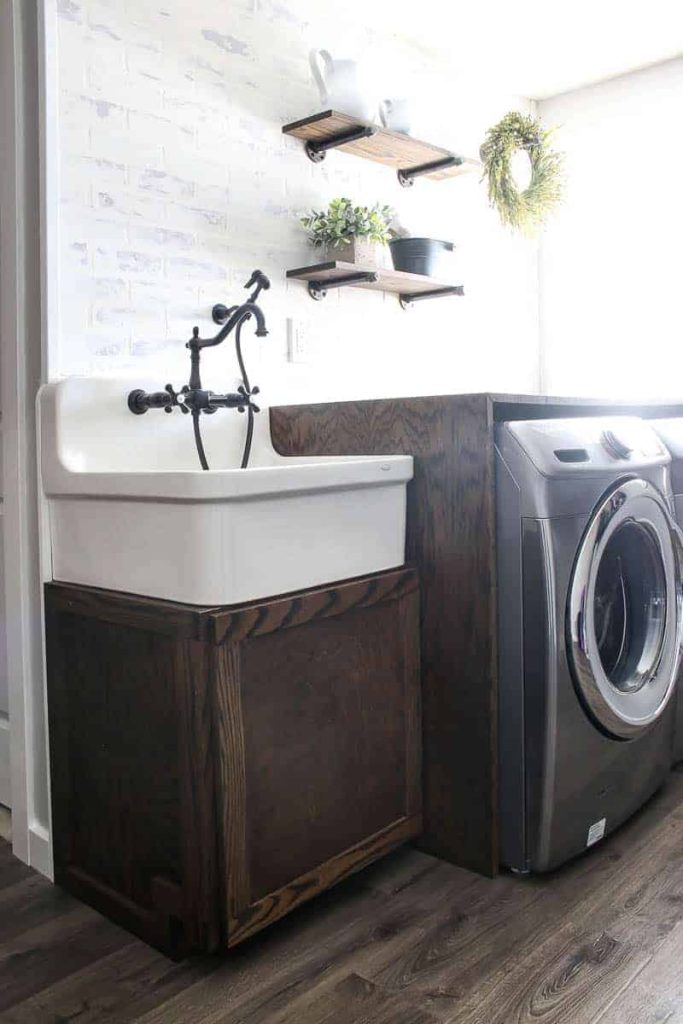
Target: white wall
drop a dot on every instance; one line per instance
(610, 262)
(176, 182)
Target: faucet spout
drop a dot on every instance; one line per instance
(242, 313)
(238, 316)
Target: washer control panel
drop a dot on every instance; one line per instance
(588, 445)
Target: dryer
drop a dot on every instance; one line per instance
(590, 595)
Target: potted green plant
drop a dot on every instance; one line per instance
(349, 232)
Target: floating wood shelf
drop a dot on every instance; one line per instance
(411, 157)
(337, 274)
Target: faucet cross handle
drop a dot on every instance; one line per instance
(248, 394)
(177, 399)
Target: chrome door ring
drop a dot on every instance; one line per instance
(627, 711)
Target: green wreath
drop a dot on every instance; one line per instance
(524, 210)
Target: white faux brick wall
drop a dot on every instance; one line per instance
(176, 182)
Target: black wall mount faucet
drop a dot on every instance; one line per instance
(192, 397)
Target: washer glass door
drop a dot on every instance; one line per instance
(624, 610)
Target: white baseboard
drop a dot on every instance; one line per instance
(5, 787)
(40, 850)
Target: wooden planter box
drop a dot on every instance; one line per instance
(212, 768)
(356, 250)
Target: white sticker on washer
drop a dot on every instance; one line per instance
(596, 832)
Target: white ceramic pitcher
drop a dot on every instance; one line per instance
(345, 85)
(397, 114)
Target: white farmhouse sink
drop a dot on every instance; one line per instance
(130, 509)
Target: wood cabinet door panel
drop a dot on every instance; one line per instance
(319, 732)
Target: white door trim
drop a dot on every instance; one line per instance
(5, 782)
(27, 281)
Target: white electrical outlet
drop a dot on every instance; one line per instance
(299, 348)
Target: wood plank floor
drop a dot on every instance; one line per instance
(408, 941)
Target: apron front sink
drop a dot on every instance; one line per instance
(130, 509)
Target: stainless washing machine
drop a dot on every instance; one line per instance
(671, 433)
(589, 604)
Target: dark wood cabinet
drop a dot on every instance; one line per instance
(213, 768)
(451, 539)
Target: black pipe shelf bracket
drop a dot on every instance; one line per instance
(409, 157)
(408, 288)
(407, 175)
(316, 151)
(318, 289)
(407, 300)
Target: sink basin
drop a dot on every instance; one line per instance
(130, 509)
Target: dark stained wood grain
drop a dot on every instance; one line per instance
(194, 686)
(116, 767)
(257, 619)
(466, 950)
(325, 750)
(656, 994)
(271, 907)
(320, 773)
(27, 902)
(451, 538)
(232, 784)
(117, 989)
(166, 617)
(568, 980)
(408, 940)
(37, 957)
(11, 869)
(409, 633)
(208, 779)
(354, 1000)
